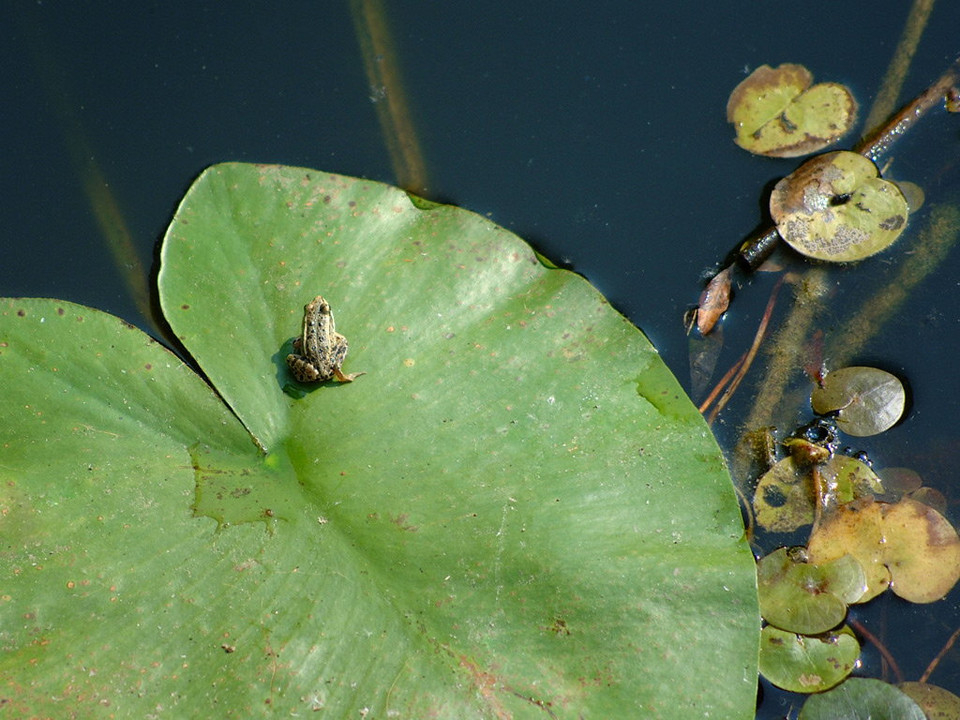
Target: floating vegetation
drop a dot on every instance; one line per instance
(866, 400)
(788, 494)
(805, 664)
(835, 207)
(906, 545)
(779, 113)
(803, 597)
(862, 699)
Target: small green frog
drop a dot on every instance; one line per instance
(320, 350)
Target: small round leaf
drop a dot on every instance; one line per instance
(845, 479)
(786, 498)
(862, 699)
(783, 501)
(855, 529)
(804, 664)
(937, 703)
(836, 208)
(867, 400)
(906, 545)
(922, 551)
(805, 598)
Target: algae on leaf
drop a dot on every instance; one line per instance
(516, 512)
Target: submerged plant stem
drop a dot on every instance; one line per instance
(933, 244)
(936, 661)
(718, 388)
(886, 101)
(784, 357)
(388, 95)
(875, 641)
(103, 202)
(743, 365)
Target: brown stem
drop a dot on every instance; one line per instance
(728, 376)
(875, 145)
(870, 637)
(747, 361)
(936, 661)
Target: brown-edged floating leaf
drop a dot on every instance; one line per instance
(854, 528)
(899, 482)
(867, 400)
(922, 551)
(777, 113)
(807, 664)
(805, 598)
(861, 699)
(835, 207)
(906, 545)
(932, 497)
(937, 703)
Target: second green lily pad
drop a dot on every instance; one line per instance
(807, 664)
(867, 400)
(805, 598)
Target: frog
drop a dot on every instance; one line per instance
(319, 352)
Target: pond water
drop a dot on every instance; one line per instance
(598, 134)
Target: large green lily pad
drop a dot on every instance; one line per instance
(516, 512)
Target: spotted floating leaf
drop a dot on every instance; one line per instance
(835, 207)
(777, 113)
(804, 664)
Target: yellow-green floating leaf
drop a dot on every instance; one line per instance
(906, 545)
(862, 699)
(937, 703)
(786, 495)
(836, 208)
(777, 113)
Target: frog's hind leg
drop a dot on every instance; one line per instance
(338, 357)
